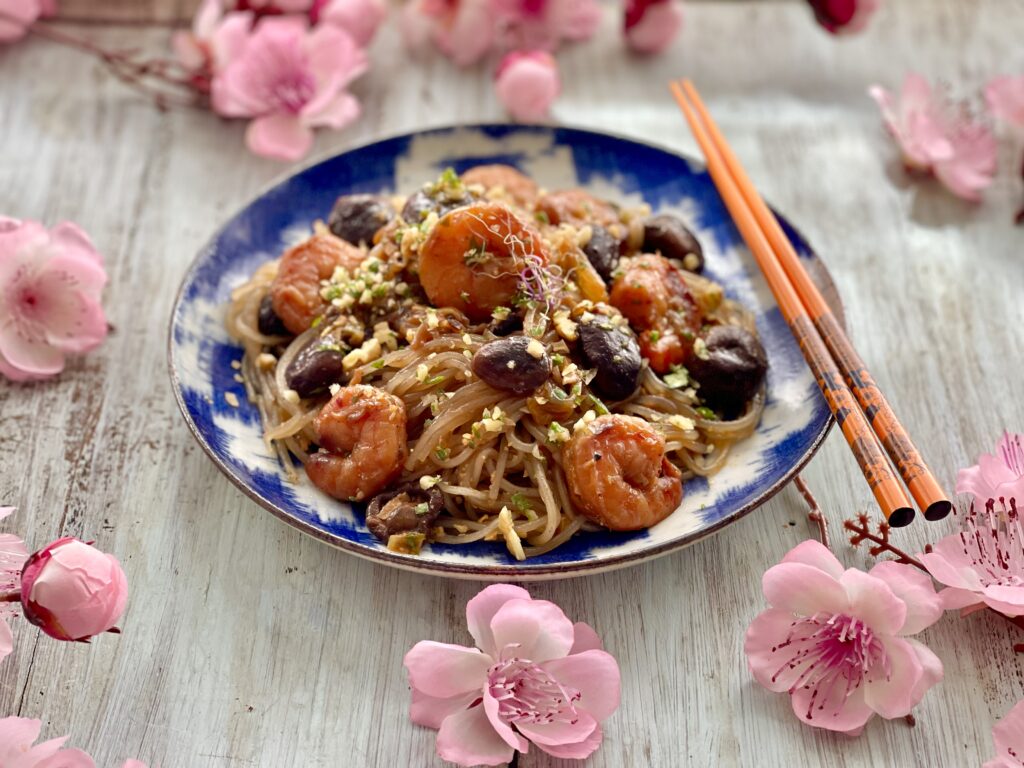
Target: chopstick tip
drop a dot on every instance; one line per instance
(901, 516)
(937, 510)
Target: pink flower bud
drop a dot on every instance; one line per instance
(72, 591)
(527, 82)
(650, 25)
(843, 17)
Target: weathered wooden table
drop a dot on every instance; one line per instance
(246, 643)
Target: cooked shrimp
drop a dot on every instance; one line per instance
(473, 257)
(654, 297)
(363, 443)
(619, 475)
(295, 292)
(520, 189)
(577, 207)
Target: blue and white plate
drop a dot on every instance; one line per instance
(795, 419)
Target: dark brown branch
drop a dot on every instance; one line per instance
(815, 514)
(163, 80)
(862, 532)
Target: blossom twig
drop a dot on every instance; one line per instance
(815, 514)
(125, 66)
(862, 532)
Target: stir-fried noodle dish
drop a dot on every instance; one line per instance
(486, 360)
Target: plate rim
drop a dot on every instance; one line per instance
(496, 572)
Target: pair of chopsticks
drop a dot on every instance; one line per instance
(862, 412)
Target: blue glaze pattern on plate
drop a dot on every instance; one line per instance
(200, 352)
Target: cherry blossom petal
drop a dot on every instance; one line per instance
(559, 733)
(931, 667)
(584, 638)
(133, 764)
(948, 563)
(894, 697)
(802, 589)
(74, 323)
(973, 164)
(537, 629)
(336, 114)
(334, 60)
(503, 729)
(1005, 97)
(7, 512)
(443, 671)
(279, 136)
(595, 674)
(29, 355)
(816, 554)
(16, 737)
(20, 14)
(764, 635)
(1008, 600)
(468, 738)
(916, 590)
(432, 710)
(481, 609)
(956, 599)
(87, 277)
(578, 751)
(73, 241)
(360, 18)
(228, 40)
(827, 706)
(873, 602)
(1008, 735)
(999, 474)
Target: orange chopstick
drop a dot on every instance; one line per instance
(923, 486)
(862, 440)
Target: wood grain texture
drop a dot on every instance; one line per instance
(247, 644)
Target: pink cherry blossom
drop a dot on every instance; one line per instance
(15, 18)
(1005, 97)
(527, 83)
(48, 8)
(533, 677)
(464, 30)
(938, 137)
(360, 18)
(996, 476)
(983, 564)
(837, 640)
(544, 24)
(650, 25)
(17, 735)
(290, 80)
(50, 285)
(844, 17)
(1008, 735)
(72, 591)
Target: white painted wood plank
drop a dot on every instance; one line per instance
(248, 644)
